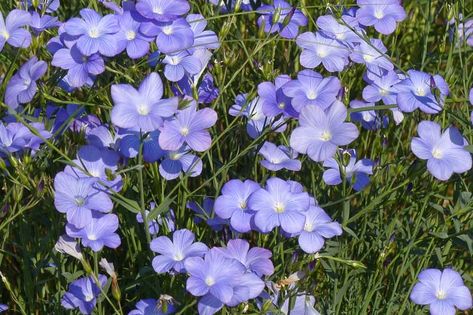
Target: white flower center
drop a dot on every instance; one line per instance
(326, 136)
(420, 91)
(94, 32)
(80, 201)
(279, 207)
(281, 105)
(322, 53)
(130, 35)
(143, 110)
(209, 281)
(5, 34)
(27, 82)
(92, 237)
(157, 10)
(378, 14)
(308, 227)
(275, 161)
(368, 58)
(184, 131)
(167, 30)
(312, 95)
(94, 173)
(383, 92)
(178, 257)
(437, 153)
(89, 297)
(174, 156)
(441, 294)
(243, 204)
(175, 60)
(340, 36)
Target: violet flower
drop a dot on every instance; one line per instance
(99, 232)
(279, 157)
(281, 17)
(273, 99)
(173, 254)
(382, 14)
(318, 48)
(95, 33)
(232, 204)
(256, 259)
(12, 31)
(318, 227)
(162, 10)
(445, 152)
(188, 127)
(443, 291)
(142, 109)
(311, 88)
(22, 86)
(356, 172)
(180, 161)
(78, 198)
(276, 205)
(83, 294)
(321, 132)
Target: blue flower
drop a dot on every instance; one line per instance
(356, 172)
(173, 254)
(22, 86)
(232, 204)
(443, 291)
(95, 34)
(99, 232)
(82, 294)
(321, 132)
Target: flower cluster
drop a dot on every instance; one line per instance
(162, 125)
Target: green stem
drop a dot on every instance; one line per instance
(142, 194)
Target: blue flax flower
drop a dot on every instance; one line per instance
(321, 132)
(188, 127)
(273, 99)
(22, 86)
(256, 259)
(142, 109)
(173, 254)
(445, 152)
(162, 10)
(382, 14)
(99, 232)
(279, 157)
(232, 204)
(281, 17)
(12, 31)
(277, 205)
(151, 307)
(443, 291)
(415, 92)
(181, 161)
(311, 88)
(318, 226)
(356, 172)
(318, 48)
(219, 286)
(78, 198)
(82, 294)
(95, 34)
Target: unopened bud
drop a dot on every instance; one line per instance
(67, 245)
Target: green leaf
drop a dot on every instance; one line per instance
(163, 207)
(130, 205)
(469, 148)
